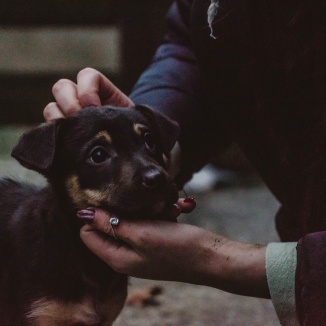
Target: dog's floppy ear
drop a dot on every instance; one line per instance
(167, 129)
(36, 148)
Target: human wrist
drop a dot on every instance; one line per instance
(249, 270)
(233, 266)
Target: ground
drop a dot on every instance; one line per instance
(242, 209)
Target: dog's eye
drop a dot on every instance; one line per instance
(98, 155)
(149, 142)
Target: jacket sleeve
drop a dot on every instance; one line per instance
(172, 85)
(311, 279)
(308, 267)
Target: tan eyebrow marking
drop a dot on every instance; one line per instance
(105, 135)
(138, 129)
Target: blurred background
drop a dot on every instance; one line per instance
(43, 41)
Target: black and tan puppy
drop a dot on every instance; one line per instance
(103, 157)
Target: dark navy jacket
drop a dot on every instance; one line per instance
(260, 83)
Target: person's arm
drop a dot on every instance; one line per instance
(172, 84)
(178, 252)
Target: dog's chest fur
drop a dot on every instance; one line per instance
(47, 276)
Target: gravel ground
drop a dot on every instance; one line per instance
(243, 210)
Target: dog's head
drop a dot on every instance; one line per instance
(106, 157)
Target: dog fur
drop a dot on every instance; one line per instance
(103, 157)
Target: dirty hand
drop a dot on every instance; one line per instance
(165, 250)
(92, 88)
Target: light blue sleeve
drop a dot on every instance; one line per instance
(281, 262)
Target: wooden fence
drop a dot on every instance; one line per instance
(141, 23)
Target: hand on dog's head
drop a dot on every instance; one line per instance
(105, 157)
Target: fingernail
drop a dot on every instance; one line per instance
(86, 214)
(189, 200)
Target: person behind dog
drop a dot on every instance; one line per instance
(251, 73)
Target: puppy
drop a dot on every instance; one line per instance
(112, 158)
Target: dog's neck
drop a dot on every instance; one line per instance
(63, 228)
(56, 197)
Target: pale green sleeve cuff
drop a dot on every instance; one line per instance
(281, 263)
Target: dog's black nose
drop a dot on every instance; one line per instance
(153, 178)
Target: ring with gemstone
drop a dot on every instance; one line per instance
(114, 221)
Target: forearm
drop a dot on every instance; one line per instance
(232, 266)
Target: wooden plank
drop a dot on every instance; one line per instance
(33, 13)
(23, 96)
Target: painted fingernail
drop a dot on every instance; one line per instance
(86, 214)
(189, 200)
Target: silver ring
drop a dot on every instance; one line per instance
(114, 221)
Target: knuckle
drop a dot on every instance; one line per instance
(142, 237)
(49, 110)
(72, 108)
(86, 71)
(118, 266)
(87, 99)
(57, 87)
(121, 266)
(107, 227)
(113, 259)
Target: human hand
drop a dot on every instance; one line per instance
(92, 88)
(130, 238)
(177, 252)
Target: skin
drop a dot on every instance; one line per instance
(143, 248)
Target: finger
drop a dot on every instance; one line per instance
(101, 222)
(52, 111)
(184, 205)
(95, 89)
(115, 253)
(66, 95)
(187, 205)
(132, 232)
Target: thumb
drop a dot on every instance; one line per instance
(114, 252)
